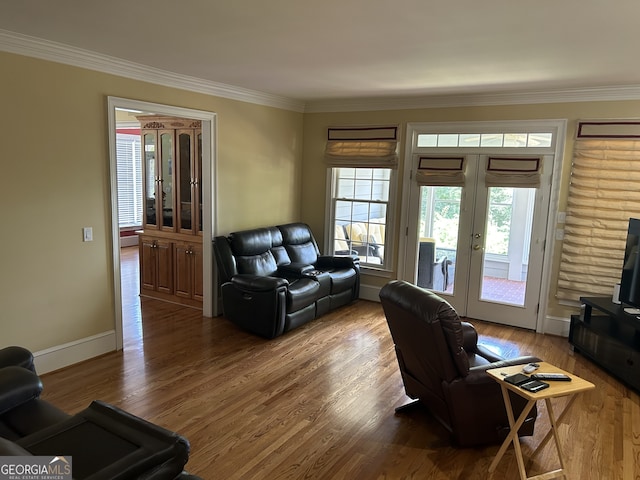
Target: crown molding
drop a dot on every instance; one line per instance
(594, 94)
(57, 52)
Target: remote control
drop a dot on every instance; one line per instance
(551, 376)
(532, 367)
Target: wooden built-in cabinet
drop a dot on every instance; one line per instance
(171, 238)
(188, 272)
(156, 265)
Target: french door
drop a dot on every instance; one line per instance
(480, 247)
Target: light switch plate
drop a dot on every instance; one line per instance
(87, 234)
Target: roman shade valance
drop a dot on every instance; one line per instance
(441, 171)
(362, 147)
(604, 192)
(513, 172)
(604, 129)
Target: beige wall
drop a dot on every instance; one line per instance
(56, 289)
(315, 127)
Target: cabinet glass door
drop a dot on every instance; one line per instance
(185, 150)
(198, 180)
(166, 178)
(150, 179)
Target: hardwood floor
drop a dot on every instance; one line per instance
(319, 402)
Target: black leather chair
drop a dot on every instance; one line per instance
(105, 442)
(444, 368)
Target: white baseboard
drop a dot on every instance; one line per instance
(556, 326)
(129, 241)
(370, 292)
(61, 356)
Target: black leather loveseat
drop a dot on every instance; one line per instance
(274, 279)
(102, 442)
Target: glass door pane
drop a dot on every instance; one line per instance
(438, 237)
(506, 252)
(185, 150)
(166, 165)
(198, 175)
(150, 179)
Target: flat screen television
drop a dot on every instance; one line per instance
(630, 280)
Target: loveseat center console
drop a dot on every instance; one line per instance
(604, 333)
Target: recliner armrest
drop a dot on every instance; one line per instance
(257, 283)
(342, 261)
(469, 337)
(487, 354)
(295, 270)
(16, 356)
(17, 386)
(480, 369)
(11, 449)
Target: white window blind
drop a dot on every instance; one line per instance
(129, 175)
(513, 172)
(603, 194)
(362, 146)
(441, 171)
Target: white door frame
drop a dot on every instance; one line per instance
(209, 220)
(557, 126)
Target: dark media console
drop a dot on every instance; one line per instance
(608, 336)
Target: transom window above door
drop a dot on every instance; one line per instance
(470, 140)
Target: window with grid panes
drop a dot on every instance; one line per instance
(360, 206)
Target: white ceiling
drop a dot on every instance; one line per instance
(348, 49)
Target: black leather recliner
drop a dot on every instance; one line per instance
(274, 279)
(444, 368)
(103, 441)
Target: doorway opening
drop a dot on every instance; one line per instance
(208, 216)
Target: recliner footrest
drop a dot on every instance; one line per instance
(106, 442)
